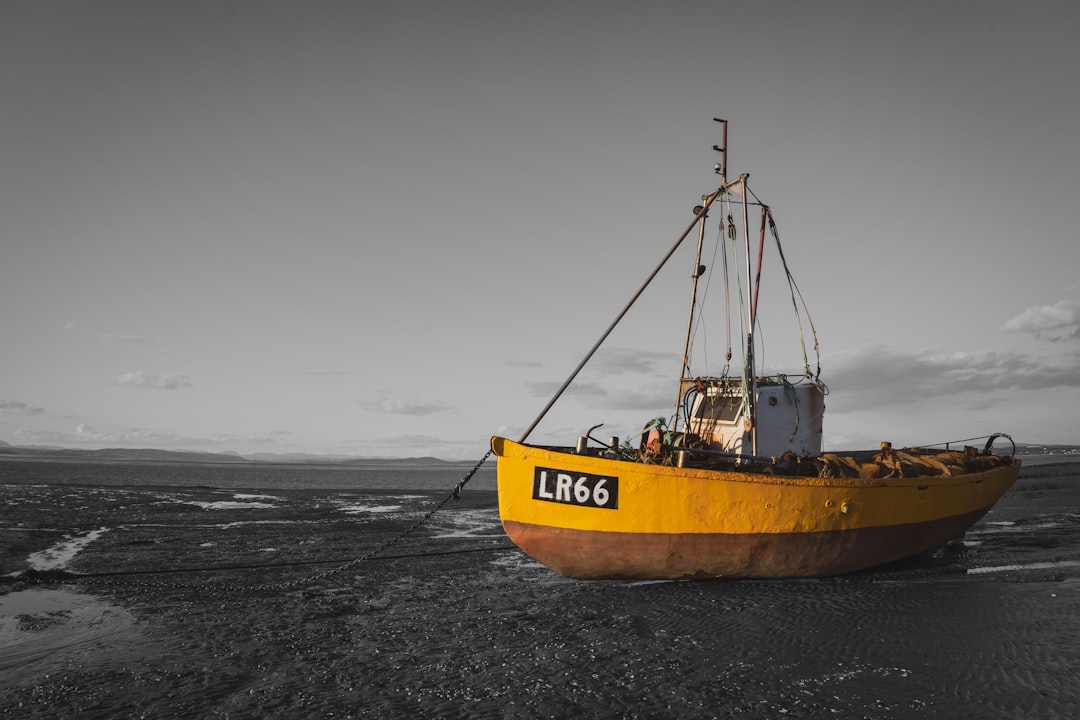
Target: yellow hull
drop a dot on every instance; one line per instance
(590, 517)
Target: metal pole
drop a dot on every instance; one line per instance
(723, 172)
(757, 277)
(689, 321)
(709, 199)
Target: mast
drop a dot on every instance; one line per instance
(700, 212)
(721, 167)
(749, 370)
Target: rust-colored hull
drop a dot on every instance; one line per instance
(592, 555)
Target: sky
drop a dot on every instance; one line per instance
(394, 229)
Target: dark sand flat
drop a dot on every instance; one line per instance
(231, 603)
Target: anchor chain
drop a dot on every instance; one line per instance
(52, 576)
(454, 494)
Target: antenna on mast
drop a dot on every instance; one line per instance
(721, 167)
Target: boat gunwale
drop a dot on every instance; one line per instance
(669, 472)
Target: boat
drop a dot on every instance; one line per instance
(735, 483)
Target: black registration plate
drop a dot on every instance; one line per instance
(569, 488)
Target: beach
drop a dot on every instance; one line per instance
(166, 592)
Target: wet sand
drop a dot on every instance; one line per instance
(226, 603)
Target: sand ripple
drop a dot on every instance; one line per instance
(43, 629)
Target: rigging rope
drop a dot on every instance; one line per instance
(795, 291)
(743, 329)
(727, 297)
(699, 308)
(986, 450)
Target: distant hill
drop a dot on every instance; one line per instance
(293, 458)
(144, 455)
(116, 455)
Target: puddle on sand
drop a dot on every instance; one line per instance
(1024, 566)
(468, 524)
(44, 631)
(59, 555)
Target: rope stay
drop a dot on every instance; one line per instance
(793, 286)
(745, 303)
(700, 305)
(700, 213)
(797, 298)
(700, 325)
(986, 449)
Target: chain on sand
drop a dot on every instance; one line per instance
(452, 495)
(111, 578)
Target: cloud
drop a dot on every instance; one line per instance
(403, 407)
(412, 441)
(125, 338)
(415, 445)
(85, 434)
(617, 360)
(578, 389)
(18, 408)
(639, 368)
(649, 397)
(524, 363)
(882, 376)
(1060, 321)
(660, 398)
(164, 381)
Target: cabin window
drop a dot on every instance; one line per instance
(719, 408)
